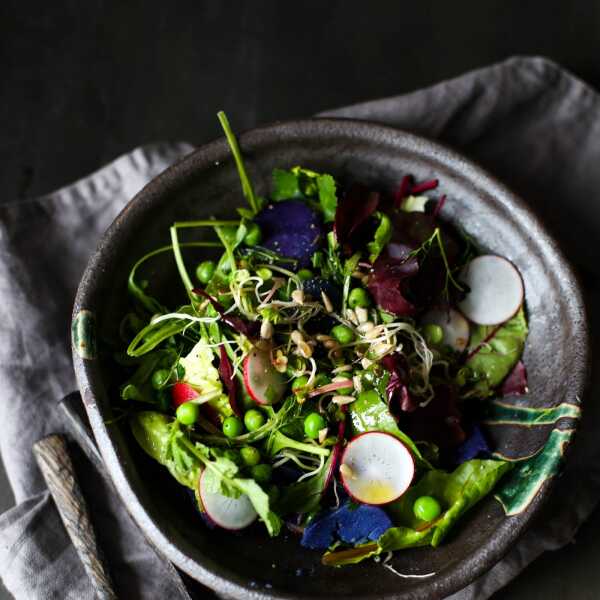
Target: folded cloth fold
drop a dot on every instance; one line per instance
(528, 121)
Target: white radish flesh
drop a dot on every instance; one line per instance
(376, 468)
(496, 290)
(264, 384)
(453, 324)
(229, 513)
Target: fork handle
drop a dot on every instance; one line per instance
(52, 456)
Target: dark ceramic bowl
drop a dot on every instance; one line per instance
(249, 565)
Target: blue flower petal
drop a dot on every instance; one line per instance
(348, 523)
(474, 446)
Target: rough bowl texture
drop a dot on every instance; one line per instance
(249, 565)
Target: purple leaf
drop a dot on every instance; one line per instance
(516, 382)
(439, 422)
(353, 211)
(348, 524)
(403, 190)
(226, 374)
(248, 328)
(438, 207)
(399, 398)
(388, 283)
(291, 229)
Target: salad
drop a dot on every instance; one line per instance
(328, 367)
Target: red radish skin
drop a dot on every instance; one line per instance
(207, 499)
(181, 393)
(407, 456)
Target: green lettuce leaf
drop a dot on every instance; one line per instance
(370, 413)
(457, 492)
(161, 437)
(286, 185)
(306, 184)
(305, 496)
(496, 358)
(155, 433)
(382, 236)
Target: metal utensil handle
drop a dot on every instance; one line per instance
(52, 456)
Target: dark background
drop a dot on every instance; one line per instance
(82, 82)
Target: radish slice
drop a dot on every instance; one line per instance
(496, 290)
(264, 384)
(229, 513)
(376, 468)
(453, 324)
(181, 393)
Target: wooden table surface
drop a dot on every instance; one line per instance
(83, 82)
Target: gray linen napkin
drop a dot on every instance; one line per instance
(528, 121)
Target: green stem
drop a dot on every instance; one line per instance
(247, 189)
(445, 259)
(279, 441)
(187, 282)
(206, 223)
(134, 289)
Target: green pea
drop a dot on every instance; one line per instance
(253, 236)
(305, 274)
(264, 273)
(130, 392)
(160, 378)
(254, 419)
(205, 270)
(433, 334)
(250, 455)
(427, 508)
(187, 413)
(262, 473)
(299, 383)
(232, 426)
(343, 334)
(358, 297)
(313, 423)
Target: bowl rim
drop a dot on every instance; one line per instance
(474, 564)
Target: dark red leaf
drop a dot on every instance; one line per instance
(228, 379)
(248, 328)
(424, 186)
(439, 422)
(399, 398)
(388, 283)
(438, 207)
(516, 382)
(353, 211)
